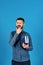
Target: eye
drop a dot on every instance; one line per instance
(19, 23)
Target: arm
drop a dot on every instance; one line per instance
(13, 39)
(30, 44)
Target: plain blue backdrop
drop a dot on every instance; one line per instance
(32, 12)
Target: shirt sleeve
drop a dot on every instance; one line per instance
(30, 44)
(13, 39)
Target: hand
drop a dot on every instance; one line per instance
(25, 46)
(18, 31)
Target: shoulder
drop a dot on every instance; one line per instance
(13, 32)
(26, 33)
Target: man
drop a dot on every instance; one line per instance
(21, 43)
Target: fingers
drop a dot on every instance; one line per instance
(25, 46)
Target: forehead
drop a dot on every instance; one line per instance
(19, 21)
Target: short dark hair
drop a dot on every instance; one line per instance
(20, 18)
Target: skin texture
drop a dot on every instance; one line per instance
(19, 27)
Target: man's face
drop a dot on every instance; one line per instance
(19, 24)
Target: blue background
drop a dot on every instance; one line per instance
(32, 12)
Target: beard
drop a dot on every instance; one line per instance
(19, 26)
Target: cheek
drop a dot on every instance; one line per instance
(21, 25)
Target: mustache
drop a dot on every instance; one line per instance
(19, 26)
